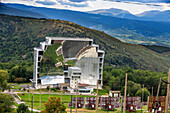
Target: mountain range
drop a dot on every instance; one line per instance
(19, 35)
(19, 12)
(114, 13)
(153, 15)
(127, 30)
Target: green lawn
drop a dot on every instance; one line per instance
(16, 85)
(44, 97)
(66, 99)
(46, 90)
(101, 91)
(51, 53)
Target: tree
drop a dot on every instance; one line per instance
(135, 88)
(4, 76)
(130, 83)
(20, 80)
(54, 106)
(22, 108)
(6, 102)
(146, 93)
(128, 91)
(21, 71)
(106, 77)
(114, 83)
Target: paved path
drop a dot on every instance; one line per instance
(56, 93)
(18, 101)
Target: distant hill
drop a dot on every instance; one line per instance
(131, 31)
(155, 15)
(115, 13)
(159, 49)
(13, 11)
(19, 35)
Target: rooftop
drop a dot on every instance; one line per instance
(77, 68)
(38, 49)
(101, 51)
(69, 38)
(52, 76)
(114, 91)
(95, 45)
(83, 84)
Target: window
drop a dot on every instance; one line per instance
(38, 63)
(100, 54)
(39, 58)
(40, 52)
(84, 91)
(76, 73)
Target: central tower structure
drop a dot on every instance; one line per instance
(80, 59)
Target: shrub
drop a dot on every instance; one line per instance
(146, 93)
(22, 108)
(54, 106)
(20, 80)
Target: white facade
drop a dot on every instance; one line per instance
(114, 93)
(89, 60)
(51, 80)
(75, 75)
(37, 59)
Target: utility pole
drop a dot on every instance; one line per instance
(167, 95)
(71, 105)
(124, 104)
(49, 91)
(76, 96)
(97, 96)
(29, 92)
(142, 97)
(32, 102)
(155, 109)
(40, 96)
(61, 93)
(158, 90)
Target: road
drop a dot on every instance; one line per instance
(18, 99)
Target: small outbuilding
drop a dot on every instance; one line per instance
(114, 93)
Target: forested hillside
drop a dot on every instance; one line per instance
(19, 35)
(131, 31)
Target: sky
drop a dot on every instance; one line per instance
(133, 6)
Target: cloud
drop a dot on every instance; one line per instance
(46, 2)
(73, 4)
(142, 1)
(166, 1)
(28, 0)
(133, 6)
(78, 0)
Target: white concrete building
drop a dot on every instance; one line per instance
(52, 80)
(88, 67)
(74, 73)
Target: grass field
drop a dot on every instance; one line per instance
(101, 91)
(44, 98)
(16, 85)
(66, 99)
